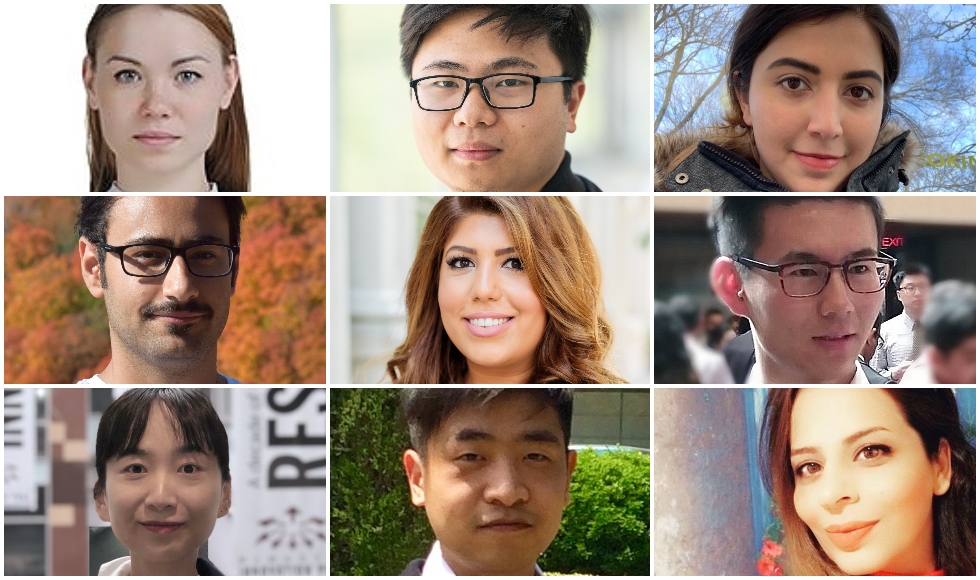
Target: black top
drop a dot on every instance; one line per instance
(414, 568)
(206, 568)
(565, 181)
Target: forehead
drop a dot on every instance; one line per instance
(829, 229)
(174, 218)
(505, 417)
(819, 43)
(480, 230)
(453, 39)
(146, 31)
(833, 414)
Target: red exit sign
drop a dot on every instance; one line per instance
(895, 242)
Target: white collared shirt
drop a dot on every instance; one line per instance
(895, 346)
(755, 375)
(435, 564)
(97, 380)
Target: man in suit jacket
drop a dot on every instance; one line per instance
(809, 275)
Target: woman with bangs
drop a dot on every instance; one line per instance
(504, 290)
(165, 104)
(871, 481)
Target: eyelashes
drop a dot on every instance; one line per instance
(457, 263)
(868, 453)
(131, 77)
(866, 94)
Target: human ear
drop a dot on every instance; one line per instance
(743, 103)
(225, 506)
(727, 285)
(91, 270)
(578, 91)
(231, 81)
(571, 459)
(416, 476)
(943, 468)
(88, 78)
(101, 508)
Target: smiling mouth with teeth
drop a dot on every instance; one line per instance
(485, 322)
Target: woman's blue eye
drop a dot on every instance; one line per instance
(127, 77)
(189, 77)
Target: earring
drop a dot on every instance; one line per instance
(741, 293)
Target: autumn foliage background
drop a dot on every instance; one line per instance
(56, 332)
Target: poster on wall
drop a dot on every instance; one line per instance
(19, 450)
(277, 524)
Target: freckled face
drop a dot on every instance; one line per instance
(522, 148)
(478, 284)
(802, 120)
(858, 461)
(517, 471)
(165, 486)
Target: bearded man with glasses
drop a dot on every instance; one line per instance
(167, 268)
(494, 91)
(809, 274)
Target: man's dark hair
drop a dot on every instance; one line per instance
(194, 419)
(912, 269)
(686, 309)
(736, 221)
(950, 316)
(567, 26)
(93, 222)
(424, 410)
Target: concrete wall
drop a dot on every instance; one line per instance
(702, 508)
(610, 416)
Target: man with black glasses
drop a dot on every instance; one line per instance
(902, 337)
(494, 91)
(809, 275)
(167, 268)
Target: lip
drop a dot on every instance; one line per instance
(162, 527)
(835, 342)
(476, 151)
(818, 161)
(506, 526)
(489, 331)
(179, 317)
(156, 138)
(848, 536)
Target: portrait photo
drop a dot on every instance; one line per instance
(815, 97)
(472, 289)
(147, 289)
(561, 101)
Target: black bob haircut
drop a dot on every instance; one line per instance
(194, 419)
(424, 410)
(736, 221)
(912, 269)
(567, 26)
(950, 316)
(93, 222)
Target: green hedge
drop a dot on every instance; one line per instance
(606, 529)
(374, 528)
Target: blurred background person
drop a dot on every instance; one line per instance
(949, 323)
(714, 328)
(709, 365)
(671, 363)
(872, 342)
(901, 337)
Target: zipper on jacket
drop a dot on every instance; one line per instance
(731, 159)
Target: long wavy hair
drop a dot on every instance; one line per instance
(934, 416)
(226, 162)
(563, 268)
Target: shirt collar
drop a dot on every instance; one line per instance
(755, 375)
(565, 181)
(435, 564)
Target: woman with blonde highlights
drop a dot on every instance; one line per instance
(871, 481)
(165, 104)
(504, 290)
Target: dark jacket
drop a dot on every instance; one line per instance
(414, 568)
(206, 568)
(714, 168)
(740, 356)
(567, 182)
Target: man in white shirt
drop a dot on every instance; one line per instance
(708, 364)
(166, 267)
(902, 336)
(808, 273)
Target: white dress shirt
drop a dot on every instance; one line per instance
(895, 346)
(435, 564)
(755, 375)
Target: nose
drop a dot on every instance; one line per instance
(161, 495)
(505, 485)
(178, 282)
(475, 110)
(485, 285)
(835, 300)
(156, 102)
(836, 490)
(825, 116)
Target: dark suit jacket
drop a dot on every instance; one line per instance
(414, 568)
(740, 356)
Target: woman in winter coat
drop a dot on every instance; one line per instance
(810, 88)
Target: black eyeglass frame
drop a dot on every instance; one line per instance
(414, 84)
(174, 252)
(881, 258)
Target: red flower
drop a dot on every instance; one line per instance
(768, 567)
(771, 549)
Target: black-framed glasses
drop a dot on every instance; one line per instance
(151, 260)
(803, 279)
(500, 91)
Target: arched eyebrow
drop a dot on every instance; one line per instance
(174, 64)
(466, 250)
(508, 62)
(847, 441)
(815, 70)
